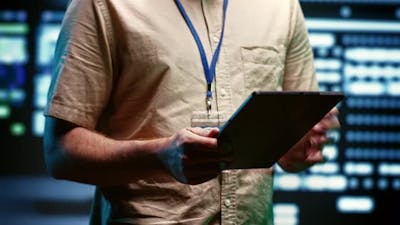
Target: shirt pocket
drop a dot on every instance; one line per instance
(263, 68)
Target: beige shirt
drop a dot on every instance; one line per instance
(131, 70)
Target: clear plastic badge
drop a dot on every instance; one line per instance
(208, 119)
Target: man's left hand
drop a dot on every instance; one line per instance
(307, 151)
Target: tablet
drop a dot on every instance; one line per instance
(268, 124)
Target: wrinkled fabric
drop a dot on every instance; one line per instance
(130, 69)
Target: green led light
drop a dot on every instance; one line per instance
(11, 28)
(4, 112)
(17, 129)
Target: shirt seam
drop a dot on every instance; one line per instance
(87, 121)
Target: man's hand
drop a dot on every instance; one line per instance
(192, 155)
(307, 151)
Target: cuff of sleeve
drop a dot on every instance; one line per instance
(71, 114)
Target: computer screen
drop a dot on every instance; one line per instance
(357, 51)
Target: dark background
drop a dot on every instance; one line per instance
(368, 142)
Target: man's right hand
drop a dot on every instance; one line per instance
(78, 154)
(192, 155)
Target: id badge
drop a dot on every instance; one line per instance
(208, 119)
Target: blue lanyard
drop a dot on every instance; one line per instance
(209, 71)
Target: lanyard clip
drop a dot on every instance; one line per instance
(209, 104)
(209, 99)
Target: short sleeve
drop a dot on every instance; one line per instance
(299, 67)
(82, 75)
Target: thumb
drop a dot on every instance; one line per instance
(205, 132)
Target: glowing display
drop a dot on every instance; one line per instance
(14, 57)
(286, 214)
(349, 204)
(13, 50)
(359, 56)
(48, 31)
(48, 34)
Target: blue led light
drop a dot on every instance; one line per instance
(373, 120)
(52, 16)
(353, 183)
(9, 15)
(373, 137)
(345, 11)
(372, 103)
(383, 184)
(368, 183)
(398, 13)
(396, 184)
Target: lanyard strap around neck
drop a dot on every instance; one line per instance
(209, 70)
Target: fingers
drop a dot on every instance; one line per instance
(211, 132)
(318, 141)
(200, 155)
(202, 137)
(199, 137)
(334, 112)
(330, 121)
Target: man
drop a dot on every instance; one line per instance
(128, 77)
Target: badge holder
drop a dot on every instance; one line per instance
(206, 119)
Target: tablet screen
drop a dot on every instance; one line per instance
(268, 124)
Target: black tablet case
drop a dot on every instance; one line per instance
(268, 124)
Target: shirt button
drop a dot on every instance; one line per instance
(223, 92)
(216, 38)
(227, 203)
